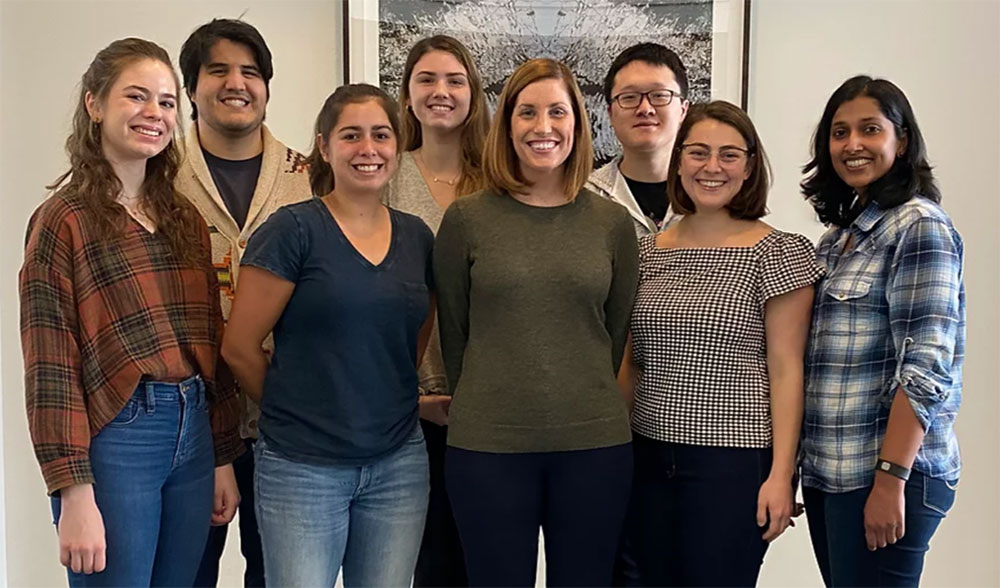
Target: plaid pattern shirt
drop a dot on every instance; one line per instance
(890, 315)
(95, 319)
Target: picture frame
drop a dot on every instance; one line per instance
(712, 37)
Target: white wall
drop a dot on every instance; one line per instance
(45, 46)
(944, 54)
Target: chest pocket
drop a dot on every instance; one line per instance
(847, 290)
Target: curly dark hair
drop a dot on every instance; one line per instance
(92, 179)
(909, 176)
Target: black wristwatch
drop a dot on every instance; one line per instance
(893, 469)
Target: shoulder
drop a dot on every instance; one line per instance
(917, 209)
(603, 178)
(412, 223)
(604, 208)
(781, 240)
(289, 160)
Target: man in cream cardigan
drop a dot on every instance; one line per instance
(236, 173)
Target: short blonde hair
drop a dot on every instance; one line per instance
(500, 163)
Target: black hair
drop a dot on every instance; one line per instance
(653, 54)
(909, 176)
(198, 46)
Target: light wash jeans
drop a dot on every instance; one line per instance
(154, 472)
(313, 519)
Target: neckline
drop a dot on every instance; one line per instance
(773, 232)
(386, 260)
(423, 181)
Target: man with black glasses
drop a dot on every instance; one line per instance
(646, 91)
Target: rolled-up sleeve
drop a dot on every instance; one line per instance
(925, 299)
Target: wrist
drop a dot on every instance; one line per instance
(77, 493)
(893, 469)
(887, 481)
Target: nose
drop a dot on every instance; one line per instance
(153, 110)
(853, 142)
(645, 106)
(234, 80)
(713, 164)
(367, 146)
(543, 124)
(441, 87)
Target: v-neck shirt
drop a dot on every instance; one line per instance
(341, 387)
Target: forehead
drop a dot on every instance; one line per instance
(860, 108)
(642, 73)
(230, 52)
(152, 74)
(439, 61)
(363, 114)
(714, 132)
(544, 91)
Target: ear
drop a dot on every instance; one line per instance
(321, 145)
(684, 108)
(901, 149)
(93, 107)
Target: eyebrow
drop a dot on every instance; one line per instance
(434, 73)
(560, 103)
(707, 146)
(147, 91)
(359, 128)
(252, 66)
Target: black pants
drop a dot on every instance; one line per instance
(441, 561)
(578, 498)
(693, 514)
(253, 577)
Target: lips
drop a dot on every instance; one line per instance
(710, 184)
(857, 162)
(368, 168)
(236, 101)
(147, 131)
(543, 146)
(441, 107)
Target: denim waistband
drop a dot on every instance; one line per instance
(191, 390)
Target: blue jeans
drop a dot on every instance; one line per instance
(837, 529)
(313, 519)
(154, 472)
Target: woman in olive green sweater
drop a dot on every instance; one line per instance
(536, 279)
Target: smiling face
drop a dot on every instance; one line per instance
(863, 143)
(646, 127)
(541, 127)
(439, 91)
(361, 148)
(139, 114)
(714, 164)
(230, 93)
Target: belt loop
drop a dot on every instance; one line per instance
(150, 398)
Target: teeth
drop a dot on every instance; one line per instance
(440, 108)
(367, 168)
(543, 145)
(235, 102)
(856, 162)
(147, 132)
(710, 183)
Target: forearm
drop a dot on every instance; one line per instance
(903, 434)
(786, 421)
(249, 365)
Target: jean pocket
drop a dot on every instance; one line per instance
(417, 436)
(939, 495)
(128, 415)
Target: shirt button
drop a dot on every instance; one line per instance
(243, 243)
(840, 297)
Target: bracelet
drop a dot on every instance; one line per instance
(893, 469)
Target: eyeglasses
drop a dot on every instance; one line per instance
(728, 156)
(634, 99)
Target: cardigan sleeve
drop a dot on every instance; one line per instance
(53, 373)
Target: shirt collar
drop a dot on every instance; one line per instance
(869, 217)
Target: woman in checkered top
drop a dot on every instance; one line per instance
(718, 334)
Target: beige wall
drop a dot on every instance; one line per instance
(944, 54)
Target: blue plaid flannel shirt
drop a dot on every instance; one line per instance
(889, 315)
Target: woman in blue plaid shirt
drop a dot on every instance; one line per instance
(879, 456)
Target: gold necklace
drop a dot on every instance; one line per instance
(434, 178)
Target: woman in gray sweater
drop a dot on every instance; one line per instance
(536, 279)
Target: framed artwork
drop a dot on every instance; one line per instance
(710, 36)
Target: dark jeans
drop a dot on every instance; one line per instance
(441, 561)
(693, 513)
(154, 473)
(253, 575)
(837, 529)
(578, 498)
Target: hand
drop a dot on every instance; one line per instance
(884, 519)
(434, 408)
(227, 496)
(82, 545)
(775, 502)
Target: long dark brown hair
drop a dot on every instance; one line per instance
(476, 124)
(91, 178)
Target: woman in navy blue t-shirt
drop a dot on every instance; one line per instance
(345, 284)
